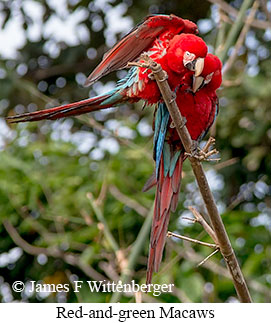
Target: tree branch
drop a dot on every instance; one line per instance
(135, 250)
(265, 9)
(68, 257)
(133, 204)
(110, 238)
(206, 244)
(217, 224)
(199, 218)
(235, 28)
(261, 24)
(124, 141)
(208, 257)
(190, 255)
(241, 37)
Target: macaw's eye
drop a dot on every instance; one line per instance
(189, 60)
(188, 57)
(188, 54)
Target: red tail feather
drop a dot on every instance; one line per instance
(166, 199)
(72, 109)
(152, 181)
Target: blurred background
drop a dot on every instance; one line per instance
(71, 206)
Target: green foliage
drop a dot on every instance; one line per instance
(48, 168)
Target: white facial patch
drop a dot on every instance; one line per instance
(188, 57)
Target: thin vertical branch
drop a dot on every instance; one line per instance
(235, 29)
(135, 251)
(217, 224)
(221, 33)
(228, 9)
(106, 229)
(265, 9)
(241, 37)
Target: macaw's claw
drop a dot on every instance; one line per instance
(205, 152)
(151, 76)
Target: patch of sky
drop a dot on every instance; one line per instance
(6, 134)
(205, 25)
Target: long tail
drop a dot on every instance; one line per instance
(93, 104)
(166, 200)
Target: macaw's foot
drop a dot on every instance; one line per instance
(205, 152)
(147, 63)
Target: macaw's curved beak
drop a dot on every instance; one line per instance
(197, 83)
(196, 65)
(199, 65)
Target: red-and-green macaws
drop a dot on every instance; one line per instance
(171, 42)
(197, 100)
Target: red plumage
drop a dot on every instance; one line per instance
(140, 39)
(72, 109)
(156, 36)
(166, 200)
(199, 109)
(170, 54)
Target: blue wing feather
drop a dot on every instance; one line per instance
(161, 123)
(173, 162)
(126, 82)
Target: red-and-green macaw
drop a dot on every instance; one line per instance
(168, 40)
(197, 100)
(171, 42)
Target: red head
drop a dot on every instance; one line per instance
(184, 51)
(211, 75)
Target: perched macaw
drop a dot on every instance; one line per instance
(162, 37)
(197, 100)
(171, 42)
